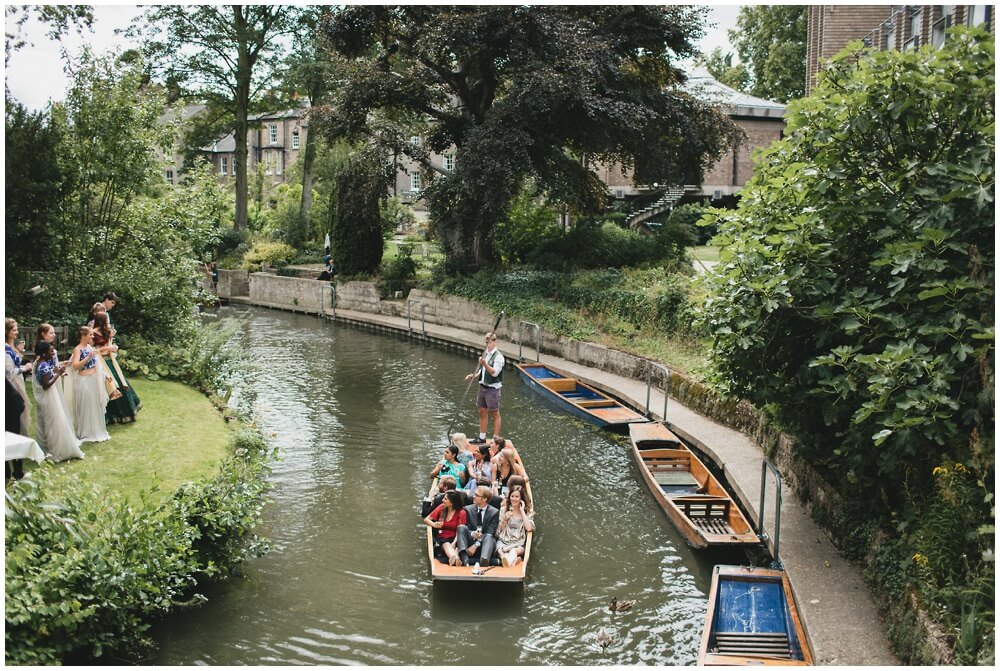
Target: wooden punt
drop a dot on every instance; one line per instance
(752, 620)
(579, 398)
(694, 500)
(443, 571)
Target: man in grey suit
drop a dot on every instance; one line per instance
(477, 538)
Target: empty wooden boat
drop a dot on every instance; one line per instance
(694, 500)
(443, 571)
(752, 620)
(579, 398)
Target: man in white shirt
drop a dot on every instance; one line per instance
(490, 373)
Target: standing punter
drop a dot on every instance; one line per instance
(490, 374)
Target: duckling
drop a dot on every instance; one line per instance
(604, 639)
(620, 606)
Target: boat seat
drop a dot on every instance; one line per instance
(674, 477)
(559, 384)
(767, 643)
(709, 514)
(596, 403)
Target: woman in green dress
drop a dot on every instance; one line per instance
(123, 408)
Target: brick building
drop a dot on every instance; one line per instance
(831, 27)
(274, 140)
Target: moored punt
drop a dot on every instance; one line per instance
(579, 398)
(443, 571)
(694, 500)
(752, 620)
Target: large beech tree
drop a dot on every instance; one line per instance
(224, 54)
(523, 92)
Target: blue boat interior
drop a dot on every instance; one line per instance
(580, 394)
(541, 372)
(755, 608)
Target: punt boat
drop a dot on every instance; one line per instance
(693, 499)
(579, 398)
(752, 620)
(443, 571)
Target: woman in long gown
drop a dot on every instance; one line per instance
(90, 398)
(124, 404)
(515, 523)
(14, 369)
(53, 428)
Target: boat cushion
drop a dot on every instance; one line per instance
(675, 477)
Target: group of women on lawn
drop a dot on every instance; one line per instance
(76, 399)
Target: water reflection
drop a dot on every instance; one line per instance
(360, 419)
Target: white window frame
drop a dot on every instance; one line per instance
(170, 176)
(415, 140)
(449, 163)
(986, 12)
(278, 162)
(295, 139)
(272, 131)
(223, 165)
(415, 182)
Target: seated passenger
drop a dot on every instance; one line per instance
(450, 466)
(462, 443)
(445, 520)
(506, 464)
(477, 537)
(446, 483)
(515, 523)
(479, 468)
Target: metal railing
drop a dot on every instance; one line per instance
(423, 320)
(322, 299)
(538, 339)
(649, 387)
(764, 468)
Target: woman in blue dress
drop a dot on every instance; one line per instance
(450, 465)
(14, 369)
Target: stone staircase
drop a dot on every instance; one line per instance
(664, 204)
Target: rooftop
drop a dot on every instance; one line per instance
(705, 86)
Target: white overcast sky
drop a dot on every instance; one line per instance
(35, 74)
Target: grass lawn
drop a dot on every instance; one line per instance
(178, 436)
(705, 253)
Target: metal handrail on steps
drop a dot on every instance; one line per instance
(764, 468)
(423, 320)
(538, 339)
(333, 299)
(649, 386)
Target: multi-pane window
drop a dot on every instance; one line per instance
(415, 140)
(415, 181)
(273, 133)
(170, 176)
(914, 20)
(278, 156)
(295, 139)
(449, 163)
(941, 25)
(223, 165)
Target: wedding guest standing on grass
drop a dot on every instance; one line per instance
(90, 398)
(14, 370)
(124, 403)
(53, 428)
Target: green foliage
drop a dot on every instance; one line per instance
(356, 237)
(593, 245)
(398, 273)
(720, 66)
(522, 92)
(395, 214)
(207, 360)
(771, 40)
(270, 253)
(86, 571)
(855, 284)
(529, 222)
(689, 215)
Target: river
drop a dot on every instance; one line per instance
(360, 419)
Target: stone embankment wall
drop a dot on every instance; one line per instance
(309, 295)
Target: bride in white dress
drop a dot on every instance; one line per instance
(53, 429)
(90, 397)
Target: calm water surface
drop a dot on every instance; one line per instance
(360, 419)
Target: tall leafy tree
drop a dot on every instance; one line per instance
(59, 19)
(519, 92)
(359, 188)
(855, 290)
(771, 41)
(226, 55)
(720, 65)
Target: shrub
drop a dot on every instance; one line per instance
(592, 245)
(86, 570)
(270, 253)
(689, 215)
(399, 272)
